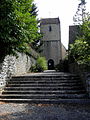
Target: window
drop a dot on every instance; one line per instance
(50, 28)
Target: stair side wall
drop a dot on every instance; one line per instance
(83, 73)
(13, 66)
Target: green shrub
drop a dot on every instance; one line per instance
(62, 66)
(79, 51)
(41, 65)
(33, 68)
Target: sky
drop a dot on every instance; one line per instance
(64, 9)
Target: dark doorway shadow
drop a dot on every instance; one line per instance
(50, 64)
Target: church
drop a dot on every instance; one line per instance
(52, 47)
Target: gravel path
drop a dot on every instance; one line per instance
(11, 111)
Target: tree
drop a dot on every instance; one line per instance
(80, 50)
(33, 10)
(80, 13)
(19, 26)
(36, 44)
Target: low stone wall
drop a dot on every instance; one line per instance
(83, 72)
(13, 66)
(23, 64)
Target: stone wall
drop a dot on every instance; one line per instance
(13, 66)
(64, 52)
(23, 64)
(50, 28)
(54, 34)
(51, 50)
(83, 72)
(74, 31)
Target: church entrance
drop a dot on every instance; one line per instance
(50, 64)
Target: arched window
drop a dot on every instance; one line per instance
(50, 28)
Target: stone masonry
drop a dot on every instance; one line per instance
(13, 66)
(50, 28)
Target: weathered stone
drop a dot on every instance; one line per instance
(15, 66)
(50, 27)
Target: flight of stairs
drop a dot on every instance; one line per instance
(44, 88)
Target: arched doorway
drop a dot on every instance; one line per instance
(50, 64)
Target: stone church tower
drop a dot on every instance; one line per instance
(50, 28)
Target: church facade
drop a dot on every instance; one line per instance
(50, 28)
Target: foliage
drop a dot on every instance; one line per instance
(36, 44)
(80, 13)
(41, 65)
(80, 50)
(33, 68)
(19, 26)
(62, 66)
(33, 10)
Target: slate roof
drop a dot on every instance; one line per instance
(50, 21)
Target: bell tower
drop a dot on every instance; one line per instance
(50, 28)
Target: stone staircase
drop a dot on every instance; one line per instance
(44, 88)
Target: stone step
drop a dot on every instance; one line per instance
(46, 88)
(46, 76)
(45, 85)
(42, 96)
(44, 92)
(47, 101)
(42, 82)
(43, 78)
